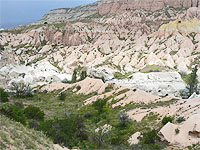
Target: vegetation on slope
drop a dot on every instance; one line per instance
(14, 135)
(69, 123)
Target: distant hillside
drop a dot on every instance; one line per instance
(62, 14)
(104, 7)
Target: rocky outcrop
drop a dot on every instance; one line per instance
(182, 135)
(134, 139)
(38, 74)
(103, 90)
(158, 83)
(179, 25)
(193, 12)
(119, 6)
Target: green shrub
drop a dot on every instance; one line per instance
(35, 113)
(177, 131)
(152, 68)
(180, 119)
(150, 137)
(109, 88)
(165, 120)
(184, 93)
(62, 96)
(13, 112)
(2, 48)
(103, 79)
(118, 75)
(68, 132)
(43, 43)
(123, 118)
(3, 96)
(99, 105)
(83, 75)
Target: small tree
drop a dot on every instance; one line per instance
(35, 113)
(123, 118)
(192, 81)
(74, 76)
(99, 136)
(62, 96)
(150, 137)
(165, 120)
(103, 79)
(3, 95)
(21, 89)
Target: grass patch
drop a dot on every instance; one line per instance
(119, 75)
(152, 68)
(14, 135)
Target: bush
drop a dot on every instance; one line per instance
(62, 96)
(118, 75)
(177, 131)
(78, 87)
(21, 89)
(13, 112)
(123, 118)
(3, 96)
(165, 120)
(150, 137)
(180, 119)
(184, 93)
(68, 132)
(35, 113)
(99, 105)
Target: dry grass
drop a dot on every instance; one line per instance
(14, 136)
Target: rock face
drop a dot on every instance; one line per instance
(181, 26)
(183, 135)
(119, 6)
(134, 139)
(38, 74)
(158, 83)
(193, 12)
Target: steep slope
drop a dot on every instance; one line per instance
(14, 135)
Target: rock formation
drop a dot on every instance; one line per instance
(140, 40)
(182, 135)
(119, 6)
